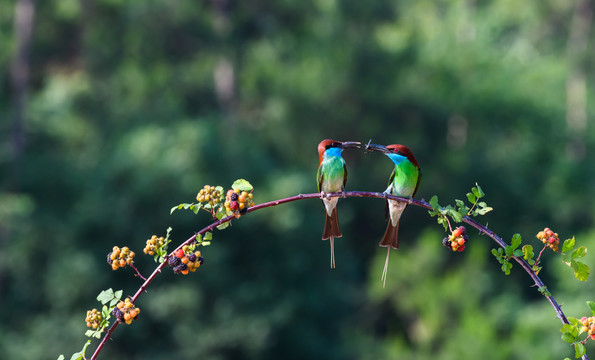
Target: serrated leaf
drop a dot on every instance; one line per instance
(508, 251)
(471, 198)
(579, 252)
(528, 252)
(482, 204)
(208, 236)
(591, 306)
(566, 328)
(105, 312)
(579, 350)
(484, 210)
(242, 185)
(105, 296)
(572, 320)
(434, 203)
(223, 226)
(582, 271)
(568, 338)
(480, 192)
(568, 245)
(518, 253)
(459, 203)
(516, 241)
(205, 243)
(495, 253)
(455, 215)
(89, 333)
(475, 192)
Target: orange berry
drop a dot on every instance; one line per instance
(461, 241)
(185, 260)
(122, 262)
(185, 272)
(115, 266)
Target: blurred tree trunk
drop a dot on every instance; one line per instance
(576, 82)
(224, 72)
(23, 33)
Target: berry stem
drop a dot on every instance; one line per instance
(539, 256)
(138, 272)
(421, 203)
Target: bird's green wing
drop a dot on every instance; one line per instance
(418, 182)
(319, 178)
(344, 175)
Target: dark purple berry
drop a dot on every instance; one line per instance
(178, 269)
(192, 257)
(234, 197)
(118, 314)
(463, 230)
(173, 261)
(243, 211)
(109, 258)
(446, 242)
(201, 260)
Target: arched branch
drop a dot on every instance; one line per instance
(421, 203)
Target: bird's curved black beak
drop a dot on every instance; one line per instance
(350, 144)
(375, 147)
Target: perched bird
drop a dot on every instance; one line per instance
(331, 177)
(404, 181)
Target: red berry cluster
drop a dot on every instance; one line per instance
(238, 201)
(119, 258)
(94, 318)
(589, 326)
(185, 260)
(457, 240)
(153, 244)
(125, 311)
(549, 238)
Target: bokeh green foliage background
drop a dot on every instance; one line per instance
(134, 105)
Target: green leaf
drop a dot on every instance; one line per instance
(442, 221)
(480, 192)
(568, 245)
(516, 241)
(455, 215)
(544, 291)
(568, 338)
(205, 243)
(242, 185)
(105, 296)
(572, 320)
(471, 198)
(528, 252)
(223, 226)
(518, 253)
(61, 357)
(105, 312)
(581, 271)
(591, 306)
(579, 252)
(208, 236)
(434, 203)
(508, 251)
(484, 210)
(579, 350)
(496, 253)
